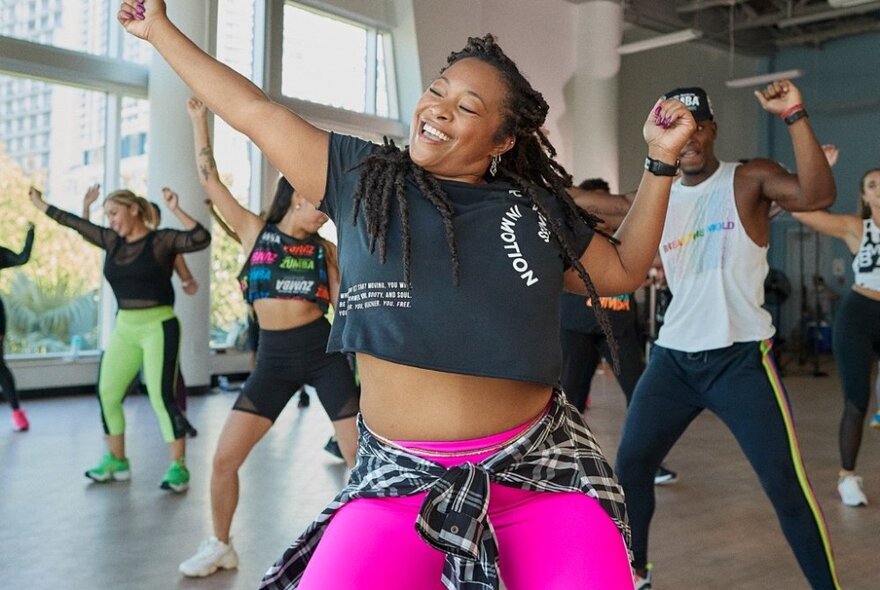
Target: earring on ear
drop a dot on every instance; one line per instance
(493, 167)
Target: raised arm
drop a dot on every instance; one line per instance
(295, 147)
(8, 258)
(102, 237)
(245, 225)
(172, 201)
(88, 199)
(845, 227)
(812, 186)
(621, 268)
(609, 208)
(218, 219)
(195, 237)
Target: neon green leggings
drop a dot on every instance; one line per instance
(148, 338)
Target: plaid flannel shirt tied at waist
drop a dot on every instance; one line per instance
(556, 454)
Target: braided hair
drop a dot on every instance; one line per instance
(528, 166)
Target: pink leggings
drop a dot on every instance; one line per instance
(563, 541)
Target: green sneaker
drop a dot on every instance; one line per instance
(176, 478)
(109, 469)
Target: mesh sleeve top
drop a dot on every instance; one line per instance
(139, 272)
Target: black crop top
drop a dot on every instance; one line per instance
(502, 320)
(283, 267)
(139, 272)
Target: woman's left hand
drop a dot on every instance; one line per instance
(190, 286)
(170, 198)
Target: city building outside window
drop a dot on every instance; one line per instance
(55, 138)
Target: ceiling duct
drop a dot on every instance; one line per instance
(845, 3)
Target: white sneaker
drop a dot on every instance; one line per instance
(644, 583)
(850, 489)
(212, 555)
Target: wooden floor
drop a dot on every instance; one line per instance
(714, 529)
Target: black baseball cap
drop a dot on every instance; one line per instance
(695, 99)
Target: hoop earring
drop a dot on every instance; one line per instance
(493, 167)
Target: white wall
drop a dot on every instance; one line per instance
(538, 36)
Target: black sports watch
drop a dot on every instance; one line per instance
(658, 168)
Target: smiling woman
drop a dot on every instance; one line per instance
(462, 430)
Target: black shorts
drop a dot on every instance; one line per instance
(289, 359)
(253, 332)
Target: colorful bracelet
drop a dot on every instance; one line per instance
(790, 111)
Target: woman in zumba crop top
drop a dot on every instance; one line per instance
(453, 254)
(290, 278)
(8, 259)
(138, 266)
(856, 332)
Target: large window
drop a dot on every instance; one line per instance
(58, 146)
(62, 139)
(78, 25)
(335, 62)
(233, 151)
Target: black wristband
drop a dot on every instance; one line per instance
(658, 168)
(795, 116)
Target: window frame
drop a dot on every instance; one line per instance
(107, 74)
(324, 116)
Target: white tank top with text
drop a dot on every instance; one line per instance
(714, 270)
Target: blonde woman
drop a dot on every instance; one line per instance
(138, 266)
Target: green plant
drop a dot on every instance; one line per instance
(44, 317)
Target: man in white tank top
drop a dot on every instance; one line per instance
(714, 349)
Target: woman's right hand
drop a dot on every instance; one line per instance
(137, 17)
(196, 108)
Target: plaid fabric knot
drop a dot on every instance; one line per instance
(453, 515)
